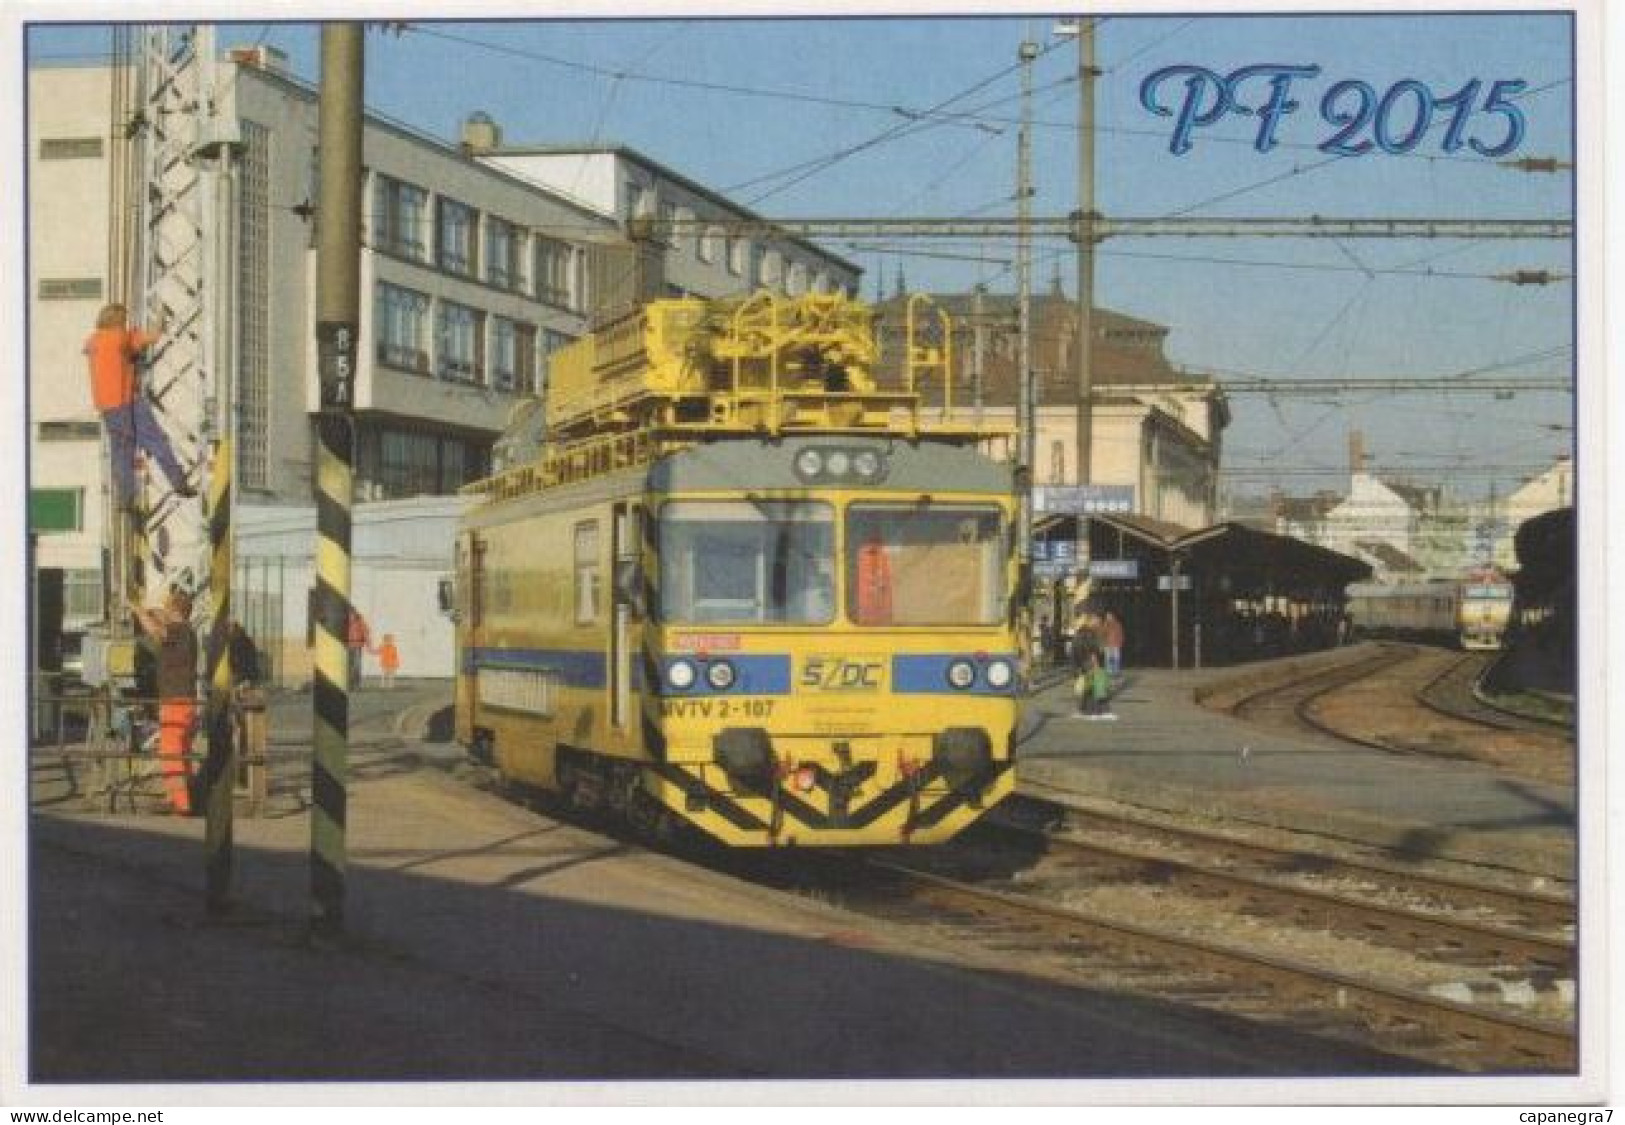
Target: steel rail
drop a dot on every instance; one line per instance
(1533, 908)
(1399, 927)
(1517, 1042)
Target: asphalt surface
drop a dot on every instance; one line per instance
(486, 943)
(1166, 751)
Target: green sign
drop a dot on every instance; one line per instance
(55, 510)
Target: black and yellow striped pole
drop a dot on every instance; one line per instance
(218, 780)
(338, 306)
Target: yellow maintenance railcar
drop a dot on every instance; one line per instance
(727, 581)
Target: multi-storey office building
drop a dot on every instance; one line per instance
(474, 271)
(707, 258)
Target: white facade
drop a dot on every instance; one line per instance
(709, 262)
(1547, 492)
(1372, 512)
(401, 550)
(68, 178)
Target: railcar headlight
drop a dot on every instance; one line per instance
(999, 674)
(866, 463)
(809, 464)
(961, 674)
(838, 463)
(720, 675)
(680, 675)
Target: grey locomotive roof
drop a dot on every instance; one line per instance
(748, 464)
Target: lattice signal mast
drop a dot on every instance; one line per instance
(171, 260)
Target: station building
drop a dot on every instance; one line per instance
(1157, 432)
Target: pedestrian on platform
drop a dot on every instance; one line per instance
(389, 659)
(131, 426)
(1111, 639)
(1083, 689)
(1085, 640)
(1100, 689)
(168, 632)
(358, 639)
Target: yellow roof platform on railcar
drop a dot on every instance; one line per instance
(685, 370)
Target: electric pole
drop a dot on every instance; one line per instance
(1026, 436)
(978, 347)
(1086, 247)
(338, 314)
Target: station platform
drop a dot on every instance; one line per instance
(1166, 752)
(486, 943)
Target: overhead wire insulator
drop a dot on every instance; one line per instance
(1530, 277)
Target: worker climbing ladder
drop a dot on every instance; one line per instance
(170, 264)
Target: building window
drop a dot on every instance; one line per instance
(772, 269)
(639, 201)
(551, 342)
(82, 595)
(461, 332)
(669, 217)
(796, 284)
(71, 148)
(586, 570)
(70, 288)
(254, 307)
(502, 253)
(402, 328)
(558, 273)
(513, 354)
(710, 245)
(409, 463)
(54, 511)
(739, 256)
(72, 429)
(457, 225)
(412, 462)
(400, 219)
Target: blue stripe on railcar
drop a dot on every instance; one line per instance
(754, 674)
(927, 674)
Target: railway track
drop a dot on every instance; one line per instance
(1540, 911)
(1189, 969)
(1441, 718)
(1428, 922)
(1286, 703)
(1010, 892)
(967, 903)
(1453, 693)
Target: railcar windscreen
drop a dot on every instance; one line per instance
(745, 562)
(925, 564)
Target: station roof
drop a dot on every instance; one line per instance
(1251, 560)
(1256, 559)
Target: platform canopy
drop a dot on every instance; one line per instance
(1243, 559)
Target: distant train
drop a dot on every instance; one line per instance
(1472, 611)
(729, 582)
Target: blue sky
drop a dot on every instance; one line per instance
(782, 97)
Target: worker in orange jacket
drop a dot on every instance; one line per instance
(168, 630)
(127, 416)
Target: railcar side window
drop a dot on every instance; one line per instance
(745, 562)
(586, 570)
(925, 564)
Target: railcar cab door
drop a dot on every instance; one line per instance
(626, 600)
